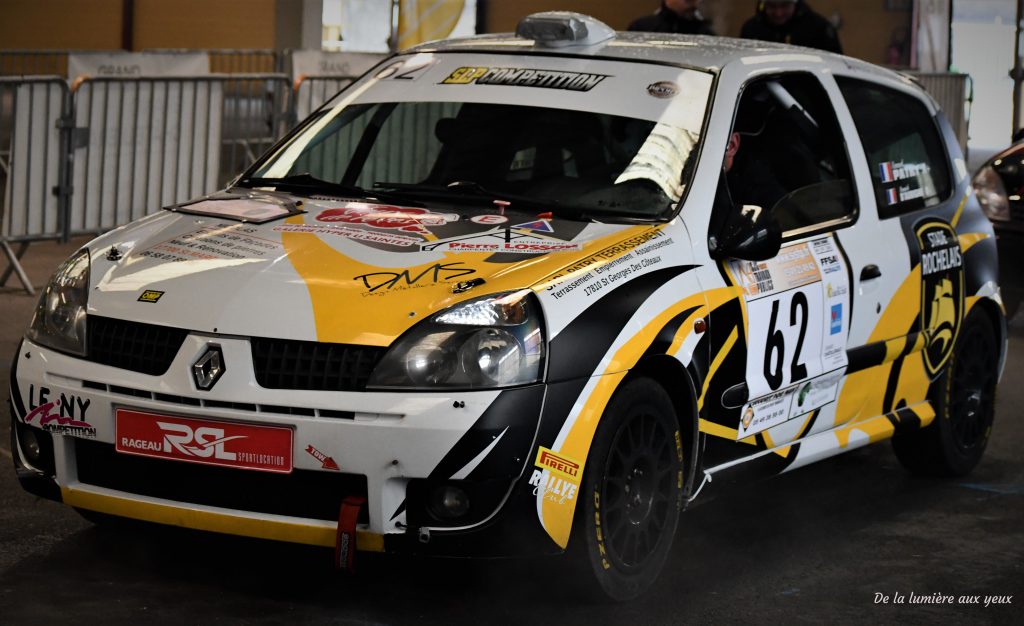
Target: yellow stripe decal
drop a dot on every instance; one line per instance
(340, 295)
(216, 522)
(960, 210)
(717, 430)
(557, 514)
(715, 364)
(969, 239)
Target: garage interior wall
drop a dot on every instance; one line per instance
(96, 24)
(60, 24)
(204, 24)
(867, 32)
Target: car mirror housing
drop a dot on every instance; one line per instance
(751, 234)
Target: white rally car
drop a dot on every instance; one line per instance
(529, 294)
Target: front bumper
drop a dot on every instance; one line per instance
(391, 448)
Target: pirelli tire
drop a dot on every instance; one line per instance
(964, 401)
(631, 495)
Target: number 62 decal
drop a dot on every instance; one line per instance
(785, 341)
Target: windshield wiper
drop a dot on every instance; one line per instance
(464, 190)
(307, 183)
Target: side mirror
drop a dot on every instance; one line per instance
(751, 234)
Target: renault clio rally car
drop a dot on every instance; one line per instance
(529, 294)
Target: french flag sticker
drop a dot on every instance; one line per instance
(886, 171)
(892, 196)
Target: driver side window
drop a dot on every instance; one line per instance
(789, 154)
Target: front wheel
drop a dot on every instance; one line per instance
(964, 404)
(631, 493)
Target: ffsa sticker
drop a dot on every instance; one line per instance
(942, 291)
(798, 306)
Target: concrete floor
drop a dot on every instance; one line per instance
(814, 546)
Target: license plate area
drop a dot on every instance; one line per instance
(205, 441)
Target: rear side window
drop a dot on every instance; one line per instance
(908, 161)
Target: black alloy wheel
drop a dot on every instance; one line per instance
(637, 491)
(964, 401)
(631, 495)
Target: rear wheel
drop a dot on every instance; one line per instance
(631, 493)
(965, 407)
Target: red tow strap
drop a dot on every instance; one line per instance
(345, 544)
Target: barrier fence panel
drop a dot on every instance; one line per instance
(144, 143)
(312, 91)
(257, 112)
(33, 116)
(955, 94)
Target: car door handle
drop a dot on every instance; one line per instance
(870, 272)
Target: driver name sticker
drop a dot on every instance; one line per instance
(798, 310)
(502, 241)
(368, 236)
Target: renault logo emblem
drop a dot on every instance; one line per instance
(207, 370)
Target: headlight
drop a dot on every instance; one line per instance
(991, 194)
(59, 320)
(487, 343)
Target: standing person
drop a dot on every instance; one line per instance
(675, 16)
(791, 21)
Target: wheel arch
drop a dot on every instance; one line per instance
(677, 382)
(991, 310)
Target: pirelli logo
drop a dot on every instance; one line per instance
(522, 77)
(557, 463)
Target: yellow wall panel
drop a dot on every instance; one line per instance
(204, 24)
(60, 24)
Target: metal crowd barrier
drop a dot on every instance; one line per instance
(257, 112)
(144, 143)
(112, 149)
(222, 60)
(955, 94)
(311, 92)
(34, 135)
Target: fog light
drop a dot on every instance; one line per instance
(30, 445)
(449, 502)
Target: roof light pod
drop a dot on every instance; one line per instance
(559, 29)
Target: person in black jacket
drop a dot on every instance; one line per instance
(675, 16)
(791, 21)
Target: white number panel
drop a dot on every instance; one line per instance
(798, 307)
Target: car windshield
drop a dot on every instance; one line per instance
(593, 161)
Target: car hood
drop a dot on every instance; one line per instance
(341, 271)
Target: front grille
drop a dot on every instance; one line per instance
(303, 493)
(284, 364)
(143, 348)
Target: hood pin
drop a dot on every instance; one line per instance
(464, 286)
